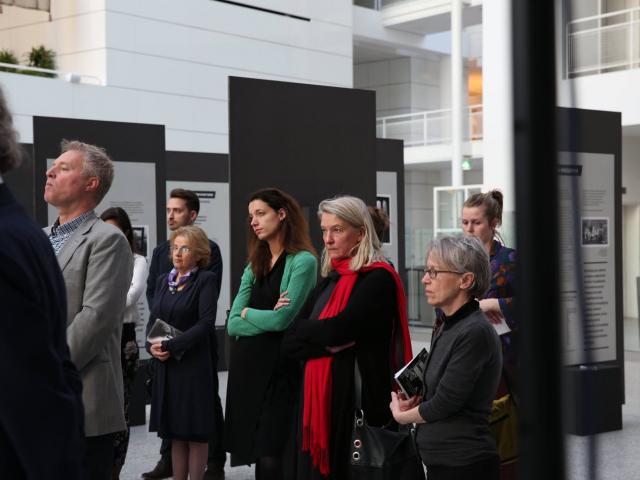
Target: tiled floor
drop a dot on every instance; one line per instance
(617, 453)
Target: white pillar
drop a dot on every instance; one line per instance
(456, 93)
(498, 100)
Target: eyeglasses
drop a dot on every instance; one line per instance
(183, 249)
(433, 273)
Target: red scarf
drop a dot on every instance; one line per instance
(316, 419)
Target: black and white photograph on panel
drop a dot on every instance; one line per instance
(140, 235)
(383, 202)
(595, 232)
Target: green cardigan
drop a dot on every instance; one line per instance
(299, 278)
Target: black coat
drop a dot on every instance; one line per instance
(41, 413)
(184, 390)
(368, 321)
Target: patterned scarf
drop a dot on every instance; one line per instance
(173, 274)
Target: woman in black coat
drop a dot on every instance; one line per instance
(357, 313)
(184, 382)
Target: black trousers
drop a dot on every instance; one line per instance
(217, 454)
(99, 456)
(488, 469)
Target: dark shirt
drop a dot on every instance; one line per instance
(266, 290)
(461, 379)
(161, 264)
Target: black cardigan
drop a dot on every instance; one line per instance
(368, 320)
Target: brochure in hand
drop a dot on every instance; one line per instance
(410, 377)
(161, 330)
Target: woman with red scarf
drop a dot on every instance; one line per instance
(356, 313)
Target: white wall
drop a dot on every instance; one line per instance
(630, 224)
(613, 91)
(402, 85)
(631, 170)
(75, 31)
(631, 258)
(167, 62)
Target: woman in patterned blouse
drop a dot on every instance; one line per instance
(481, 216)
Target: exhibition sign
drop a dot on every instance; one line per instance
(593, 338)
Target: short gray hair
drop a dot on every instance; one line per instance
(10, 151)
(464, 254)
(96, 164)
(356, 213)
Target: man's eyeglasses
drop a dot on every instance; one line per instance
(183, 249)
(433, 273)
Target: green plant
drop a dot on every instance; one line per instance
(42, 57)
(7, 56)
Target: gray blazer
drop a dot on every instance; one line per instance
(97, 265)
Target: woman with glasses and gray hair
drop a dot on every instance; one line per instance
(355, 316)
(463, 369)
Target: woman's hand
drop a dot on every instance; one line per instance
(491, 308)
(402, 408)
(243, 314)
(156, 351)
(334, 350)
(283, 301)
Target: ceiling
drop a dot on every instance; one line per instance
(471, 15)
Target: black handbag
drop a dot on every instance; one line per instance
(382, 453)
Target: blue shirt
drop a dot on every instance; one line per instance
(61, 233)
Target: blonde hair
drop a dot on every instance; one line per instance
(197, 239)
(355, 212)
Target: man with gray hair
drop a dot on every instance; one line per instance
(41, 415)
(96, 264)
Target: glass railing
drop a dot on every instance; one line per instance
(419, 311)
(432, 127)
(603, 43)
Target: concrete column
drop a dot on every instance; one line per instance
(498, 101)
(456, 93)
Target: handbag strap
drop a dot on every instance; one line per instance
(357, 381)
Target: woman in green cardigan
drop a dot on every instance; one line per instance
(262, 385)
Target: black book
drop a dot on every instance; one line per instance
(161, 330)
(410, 377)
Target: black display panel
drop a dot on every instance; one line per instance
(312, 141)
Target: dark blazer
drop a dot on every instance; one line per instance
(41, 414)
(161, 264)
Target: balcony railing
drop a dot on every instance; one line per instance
(432, 127)
(603, 43)
(68, 76)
